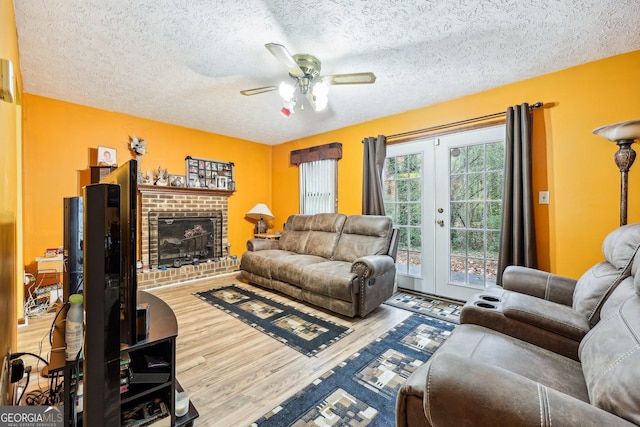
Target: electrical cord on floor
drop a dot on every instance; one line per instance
(49, 397)
(27, 371)
(25, 353)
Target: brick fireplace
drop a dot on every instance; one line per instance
(156, 202)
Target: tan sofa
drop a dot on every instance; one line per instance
(343, 264)
(485, 377)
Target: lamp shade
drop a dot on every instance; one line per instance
(629, 130)
(260, 211)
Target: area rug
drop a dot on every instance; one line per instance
(301, 331)
(361, 390)
(427, 305)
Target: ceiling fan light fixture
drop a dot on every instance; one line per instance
(287, 107)
(321, 95)
(286, 91)
(304, 69)
(285, 112)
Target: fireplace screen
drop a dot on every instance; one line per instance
(186, 239)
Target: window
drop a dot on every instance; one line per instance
(318, 186)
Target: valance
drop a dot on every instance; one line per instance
(332, 151)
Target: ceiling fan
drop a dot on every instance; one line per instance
(304, 69)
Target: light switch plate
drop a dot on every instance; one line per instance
(543, 198)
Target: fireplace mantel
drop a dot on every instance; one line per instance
(165, 189)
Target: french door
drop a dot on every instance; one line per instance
(445, 196)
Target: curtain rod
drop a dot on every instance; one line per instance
(461, 122)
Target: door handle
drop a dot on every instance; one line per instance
(440, 222)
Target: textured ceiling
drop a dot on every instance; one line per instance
(185, 61)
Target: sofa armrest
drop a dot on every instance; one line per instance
(261, 244)
(557, 318)
(376, 277)
(465, 392)
(539, 284)
(372, 266)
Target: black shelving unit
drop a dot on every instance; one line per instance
(161, 343)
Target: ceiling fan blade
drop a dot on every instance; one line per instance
(282, 54)
(350, 79)
(258, 90)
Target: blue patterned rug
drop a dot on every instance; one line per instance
(428, 305)
(361, 391)
(303, 332)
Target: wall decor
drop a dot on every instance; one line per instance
(161, 176)
(106, 156)
(176, 180)
(213, 174)
(138, 146)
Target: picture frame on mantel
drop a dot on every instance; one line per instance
(176, 180)
(211, 174)
(106, 156)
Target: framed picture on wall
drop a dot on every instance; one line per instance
(212, 174)
(107, 156)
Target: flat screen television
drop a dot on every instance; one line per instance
(102, 302)
(126, 176)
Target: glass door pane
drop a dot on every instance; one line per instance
(469, 168)
(403, 203)
(475, 192)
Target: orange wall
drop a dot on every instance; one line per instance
(573, 164)
(60, 141)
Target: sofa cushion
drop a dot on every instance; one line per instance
(260, 262)
(333, 279)
(610, 353)
(537, 364)
(621, 293)
(363, 235)
(289, 269)
(597, 283)
(324, 232)
(296, 231)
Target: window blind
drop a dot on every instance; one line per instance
(318, 186)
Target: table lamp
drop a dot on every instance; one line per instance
(260, 212)
(624, 134)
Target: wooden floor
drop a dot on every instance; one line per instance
(233, 372)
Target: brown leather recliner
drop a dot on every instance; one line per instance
(551, 311)
(481, 377)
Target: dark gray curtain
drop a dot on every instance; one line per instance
(517, 239)
(375, 151)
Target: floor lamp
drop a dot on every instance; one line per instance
(624, 134)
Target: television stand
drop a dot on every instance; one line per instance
(160, 344)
